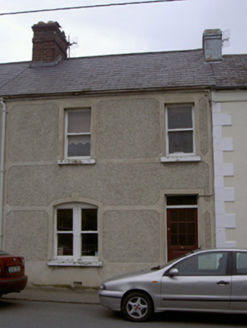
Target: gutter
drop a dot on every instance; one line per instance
(227, 87)
(2, 165)
(106, 93)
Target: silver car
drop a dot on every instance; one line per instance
(205, 280)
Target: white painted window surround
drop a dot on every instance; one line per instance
(180, 134)
(179, 158)
(77, 137)
(184, 125)
(77, 227)
(76, 161)
(221, 170)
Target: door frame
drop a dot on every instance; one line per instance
(181, 207)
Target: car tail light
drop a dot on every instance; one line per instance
(0, 270)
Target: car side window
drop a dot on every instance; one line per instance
(207, 264)
(241, 263)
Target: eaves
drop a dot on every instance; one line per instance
(105, 93)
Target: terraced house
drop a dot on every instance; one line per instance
(120, 162)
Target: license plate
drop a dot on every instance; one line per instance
(13, 269)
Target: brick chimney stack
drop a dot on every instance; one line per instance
(49, 43)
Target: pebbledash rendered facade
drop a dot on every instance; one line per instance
(116, 163)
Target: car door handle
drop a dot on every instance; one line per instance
(222, 282)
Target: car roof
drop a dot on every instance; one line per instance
(218, 250)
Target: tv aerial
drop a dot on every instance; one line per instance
(226, 39)
(73, 44)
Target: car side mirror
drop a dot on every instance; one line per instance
(173, 272)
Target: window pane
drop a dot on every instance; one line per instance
(182, 200)
(241, 263)
(191, 228)
(182, 240)
(213, 261)
(65, 220)
(180, 142)
(203, 265)
(191, 240)
(179, 117)
(174, 216)
(191, 215)
(64, 244)
(174, 240)
(79, 146)
(89, 220)
(188, 266)
(182, 216)
(174, 228)
(79, 121)
(89, 244)
(182, 228)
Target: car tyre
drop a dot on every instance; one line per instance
(137, 306)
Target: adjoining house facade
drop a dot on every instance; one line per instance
(108, 162)
(230, 154)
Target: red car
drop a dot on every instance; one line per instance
(12, 273)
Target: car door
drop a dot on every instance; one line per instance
(239, 281)
(202, 282)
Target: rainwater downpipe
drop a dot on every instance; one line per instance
(2, 166)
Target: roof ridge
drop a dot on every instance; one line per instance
(137, 54)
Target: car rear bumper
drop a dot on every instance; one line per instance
(13, 285)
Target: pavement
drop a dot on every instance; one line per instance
(59, 295)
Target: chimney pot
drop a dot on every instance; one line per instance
(212, 45)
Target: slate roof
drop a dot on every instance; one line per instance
(129, 72)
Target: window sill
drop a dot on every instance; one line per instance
(76, 161)
(175, 159)
(71, 263)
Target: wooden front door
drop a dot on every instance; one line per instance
(182, 234)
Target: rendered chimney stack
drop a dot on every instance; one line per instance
(212, 45)
(49, 42)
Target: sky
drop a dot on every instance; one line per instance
(168, 26)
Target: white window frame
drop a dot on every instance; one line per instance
(192, 129)
(76, 258)
(67, 135)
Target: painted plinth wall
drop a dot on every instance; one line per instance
(125, 179)
(230, 162)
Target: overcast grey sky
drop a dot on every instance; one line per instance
(124, 29)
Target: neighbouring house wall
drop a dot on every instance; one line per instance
(230, 157)
(128, 182)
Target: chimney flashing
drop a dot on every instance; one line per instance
(36, 64)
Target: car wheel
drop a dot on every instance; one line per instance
(137, 306)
